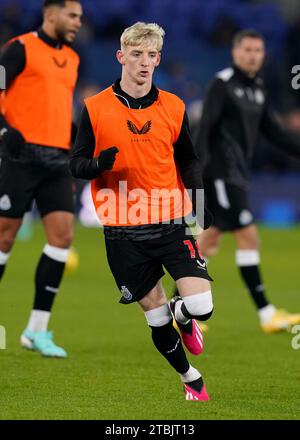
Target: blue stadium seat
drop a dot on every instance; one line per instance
(279, 213)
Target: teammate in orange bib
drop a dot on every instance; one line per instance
(35, 134)
(32, 103)
(134, 144)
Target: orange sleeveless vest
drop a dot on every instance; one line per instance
(144, 186)
(39, 101)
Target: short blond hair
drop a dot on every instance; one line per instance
(141, 32)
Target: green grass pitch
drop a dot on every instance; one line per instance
(113, 371)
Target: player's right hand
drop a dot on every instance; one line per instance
(107, 158)
(13, 141)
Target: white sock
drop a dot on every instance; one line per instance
(159, 316)
(266, 313)
(3, 258)
(56, 253)
(38, 321)
(199, 304)
(191, 375)
(196, 305)
(247, 257)
(179, 316)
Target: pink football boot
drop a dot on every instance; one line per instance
(191, 333)
(191, 394)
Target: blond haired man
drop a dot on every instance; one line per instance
(134, 140)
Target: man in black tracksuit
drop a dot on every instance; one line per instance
(235, 111)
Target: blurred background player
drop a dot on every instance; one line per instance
(236, 108)
(35, 129)
(136, 133)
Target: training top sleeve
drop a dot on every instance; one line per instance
(272, 128)
(212, 109)
(187, 160)
(13, 59)
(82, 163)
(186, 157)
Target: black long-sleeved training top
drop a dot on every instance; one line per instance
(235, 110)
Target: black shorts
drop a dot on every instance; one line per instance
(228, 204)
(137, 266)
(22, 183)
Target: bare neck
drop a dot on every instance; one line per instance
(250, 75)
(135, 90)
(246, 72)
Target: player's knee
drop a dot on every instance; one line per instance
(62, 240)
(250, 242)
(199, 306)
(6, 243)
(67, 241)
(8, 232)
(247, 238)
